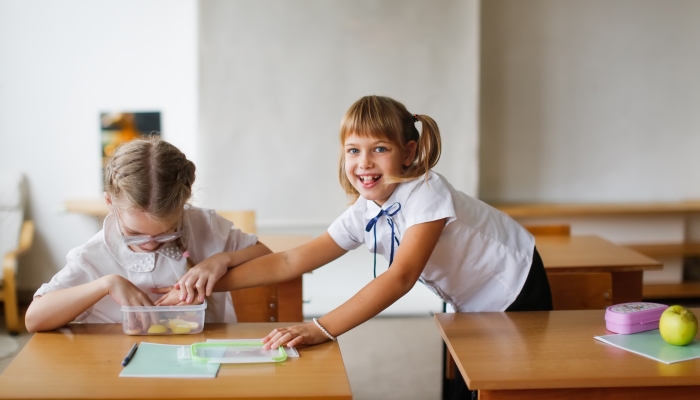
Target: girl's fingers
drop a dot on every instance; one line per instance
(276, 340)
(296, 341)
(210, 286)
(189, 290)
(270, 335)
(200, 286)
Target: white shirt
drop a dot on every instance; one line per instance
(205, 233)
(480, 262)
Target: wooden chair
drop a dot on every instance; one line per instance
(15, 238)
(575, 291)
(272, 303)
(547, 230)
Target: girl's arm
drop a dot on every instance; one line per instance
(413, 254)
(272, 268)
(57, 308)
(205, 274)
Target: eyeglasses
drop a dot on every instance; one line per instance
(137, 240)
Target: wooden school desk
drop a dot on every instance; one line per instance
(84, 361)
(552, 355)
(592, 254)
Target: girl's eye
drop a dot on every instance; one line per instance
(353, 151)
(380, 149)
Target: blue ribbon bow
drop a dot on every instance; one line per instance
(372, 224)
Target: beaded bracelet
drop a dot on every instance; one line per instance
(331, 337)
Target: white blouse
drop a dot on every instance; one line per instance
(205, 233)
(482, 258)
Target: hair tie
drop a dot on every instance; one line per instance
(186, 254)
(415, 117)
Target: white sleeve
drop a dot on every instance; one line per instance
(344, 230)
(69, 276)
(430, 201)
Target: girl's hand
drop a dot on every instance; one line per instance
(294, 335)
(198, 282)
(126, 293)
(171, 297)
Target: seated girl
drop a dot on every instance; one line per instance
(148, 241)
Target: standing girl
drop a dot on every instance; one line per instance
(471, 255)
(145, 245)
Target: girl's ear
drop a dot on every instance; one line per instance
(108, 199)
(410, 153)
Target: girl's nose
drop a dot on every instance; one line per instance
(150, 245)
(365, 161)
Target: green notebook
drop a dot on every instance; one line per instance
(651, 344)
(154, 360)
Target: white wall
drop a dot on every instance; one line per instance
(61, 64)
(277, 77)
(590, 100)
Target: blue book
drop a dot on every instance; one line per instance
(651, 344)
(154, 360)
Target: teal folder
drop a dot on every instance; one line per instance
(154, 360)
(651, 344)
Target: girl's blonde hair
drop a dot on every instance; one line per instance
(385, 118)
(150, 175)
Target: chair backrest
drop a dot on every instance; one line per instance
(541, 230)
(272, 303)
(243, 220)
(11, 212)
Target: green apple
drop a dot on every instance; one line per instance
(678, 325)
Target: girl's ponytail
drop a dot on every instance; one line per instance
(429, 147)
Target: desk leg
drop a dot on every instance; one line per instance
(627, 286)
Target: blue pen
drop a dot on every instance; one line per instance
(130, 355)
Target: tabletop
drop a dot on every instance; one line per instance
(84, 361)
(590, 254)
(549, 350)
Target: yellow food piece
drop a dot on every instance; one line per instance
(181, 328)
(174, 322)
(157, 329)
(193, 325)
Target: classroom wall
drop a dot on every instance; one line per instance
(589, 100)
(61, 64)
(276, 77)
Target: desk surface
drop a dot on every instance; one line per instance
(550, 349)
(84, 361)
(590, 254)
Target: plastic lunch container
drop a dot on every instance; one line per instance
(163, 320)
(235, 352)
(633, 317)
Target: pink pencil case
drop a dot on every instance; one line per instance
(633, 317)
